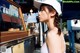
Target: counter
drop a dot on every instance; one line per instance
(13, 35)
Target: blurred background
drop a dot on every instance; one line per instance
(21, 31)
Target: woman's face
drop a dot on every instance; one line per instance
(44, 14)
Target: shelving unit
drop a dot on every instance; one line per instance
(15, 39)
(7, 36)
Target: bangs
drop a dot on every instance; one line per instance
(49, 7)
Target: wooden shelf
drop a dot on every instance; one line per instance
(8, 18)
(10, 36)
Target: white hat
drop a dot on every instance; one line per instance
(54, 3)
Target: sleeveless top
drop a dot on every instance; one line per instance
(44, 48)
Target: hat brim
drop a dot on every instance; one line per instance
(37, 4)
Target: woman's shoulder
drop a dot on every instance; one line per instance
(52, 34)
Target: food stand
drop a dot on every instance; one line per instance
(13, 35)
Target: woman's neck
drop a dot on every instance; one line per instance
(50, 24)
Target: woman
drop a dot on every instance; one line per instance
(49, 13)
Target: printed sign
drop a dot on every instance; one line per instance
(19, 48)
(75, 24)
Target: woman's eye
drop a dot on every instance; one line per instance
(41, 10)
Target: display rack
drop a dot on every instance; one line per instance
(7, 36)
(14, 37)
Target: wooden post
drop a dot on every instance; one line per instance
(22, 19)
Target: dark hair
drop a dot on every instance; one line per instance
(56, 20)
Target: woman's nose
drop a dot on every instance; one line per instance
(39, 13)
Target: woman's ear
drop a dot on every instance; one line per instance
(53, 13)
